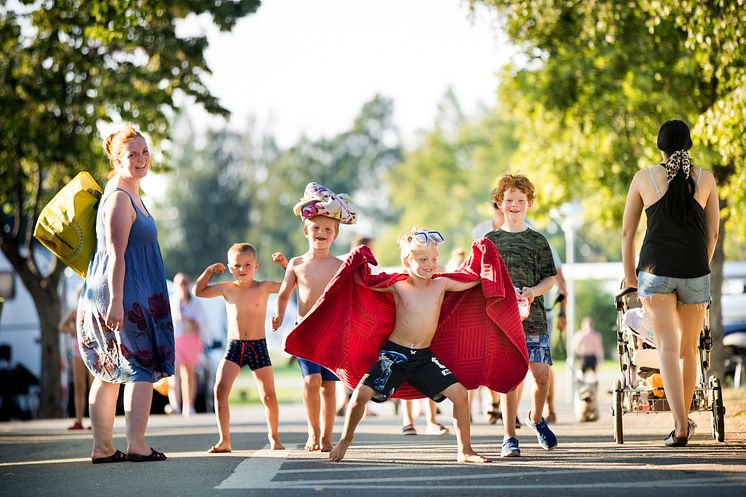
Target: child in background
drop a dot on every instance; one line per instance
(322, 212)
(246, 305)
(529, 261)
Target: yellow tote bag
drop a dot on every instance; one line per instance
(67, 224)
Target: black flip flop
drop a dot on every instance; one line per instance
(117, 456)
(153, 456)
(673, 441)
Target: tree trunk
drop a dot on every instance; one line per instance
(49, 309)
(717, 358)
(48, 302)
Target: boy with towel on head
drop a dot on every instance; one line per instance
(322, 211)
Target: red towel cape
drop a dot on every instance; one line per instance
(479, 337)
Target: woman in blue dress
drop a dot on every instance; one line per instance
(124, 326)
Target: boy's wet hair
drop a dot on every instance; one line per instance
(242, 248)
(509, 181)
(336, 222)
(406, 244)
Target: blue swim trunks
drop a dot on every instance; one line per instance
(252, 353)
(307, 367)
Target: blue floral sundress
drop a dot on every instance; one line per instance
(143, 350)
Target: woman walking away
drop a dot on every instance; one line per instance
(673, 272)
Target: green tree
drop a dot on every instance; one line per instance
(444, 183)
(354, 161)
(67, 66)
(206, 201)
(602, 76)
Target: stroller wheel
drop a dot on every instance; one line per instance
(617, 411)
(718, 410)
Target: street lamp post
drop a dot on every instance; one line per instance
(571, 219)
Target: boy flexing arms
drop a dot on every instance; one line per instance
(406, 356)
(246, 306)
(322, 211)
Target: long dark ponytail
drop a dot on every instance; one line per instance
(674, 139)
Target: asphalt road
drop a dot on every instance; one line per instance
(42, 458)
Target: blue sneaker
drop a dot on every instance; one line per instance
(510, 448)
(546, 437)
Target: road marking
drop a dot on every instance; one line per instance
(260, 470)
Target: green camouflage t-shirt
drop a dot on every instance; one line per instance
(529, 260)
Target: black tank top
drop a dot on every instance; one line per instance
(674, 248)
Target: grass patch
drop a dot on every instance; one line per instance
(288, 384)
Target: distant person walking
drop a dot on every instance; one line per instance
(672, 276)
(124, 320)
(188, 323)
(588, 347)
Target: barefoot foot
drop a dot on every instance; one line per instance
(219, 448)
(471, 457)
(339, 450)
(276, 445)
(312, 444)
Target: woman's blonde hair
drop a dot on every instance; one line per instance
(114, 143)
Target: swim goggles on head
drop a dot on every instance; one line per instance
(426, 237)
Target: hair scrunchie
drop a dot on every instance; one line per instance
(677, 160)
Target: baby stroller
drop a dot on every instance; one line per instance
(639, 389)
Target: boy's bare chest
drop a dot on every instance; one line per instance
(246, 300)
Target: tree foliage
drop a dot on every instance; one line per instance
(444, 183)
(242, 187)
(599, 78)
(67, 66)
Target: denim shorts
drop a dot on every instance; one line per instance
(538, 349)
(688, 290)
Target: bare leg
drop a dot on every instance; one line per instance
(328, 412)
(102, 402)
(137, 399)
(661, 309)
(174, 390)
(550, 397)
(433, 427)
(312, 403)
(188, 389)
(80, 387)
(226, 375)
(265, 381)
(541, 373)
(355, 412)
(407, 412)
(456, 393)
(509, 403)
(690, 318)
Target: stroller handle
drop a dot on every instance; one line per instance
(625, 292)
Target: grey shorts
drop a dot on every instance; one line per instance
(688, 290)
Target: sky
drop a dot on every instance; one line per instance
(304, 67)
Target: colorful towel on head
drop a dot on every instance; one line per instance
(479, 337)
(318, 200)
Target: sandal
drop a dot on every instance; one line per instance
(117, 456)
(214, 450)
(673, 441)
(493, 415)
(436, 429)
(76, 426)
(153, 456)
(408, 430)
